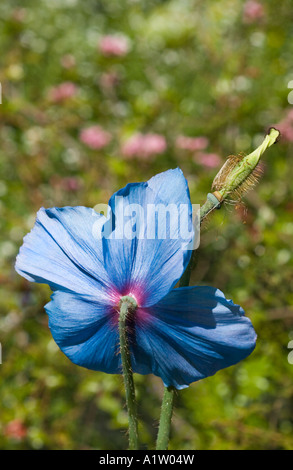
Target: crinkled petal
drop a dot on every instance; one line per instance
(85, 330)
(144, 256)
(64, 250)
(190, 334)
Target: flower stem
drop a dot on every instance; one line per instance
(165, 420)
(127, 305)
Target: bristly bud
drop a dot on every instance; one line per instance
(240, 173)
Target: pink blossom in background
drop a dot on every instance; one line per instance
(286, 127)
(133, 146)
(286, 130)
(209, 160)
(62, 92)
(15, 429)
(191, 143)
(114, 45)
(253, 11)
(95, 137)
(144, 145)
(154, 144)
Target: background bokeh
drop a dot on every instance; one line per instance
(99, 93)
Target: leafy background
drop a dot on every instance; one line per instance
(193, 68)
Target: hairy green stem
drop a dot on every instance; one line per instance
(127, 305)
(165, 420)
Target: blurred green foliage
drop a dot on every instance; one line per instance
(194, 68)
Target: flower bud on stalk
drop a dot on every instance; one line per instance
(237, 175)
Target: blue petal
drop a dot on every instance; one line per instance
(85, 330)
(189, 335)
(63, 250)
(147, 262)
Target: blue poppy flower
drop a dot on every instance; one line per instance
(179, 334)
